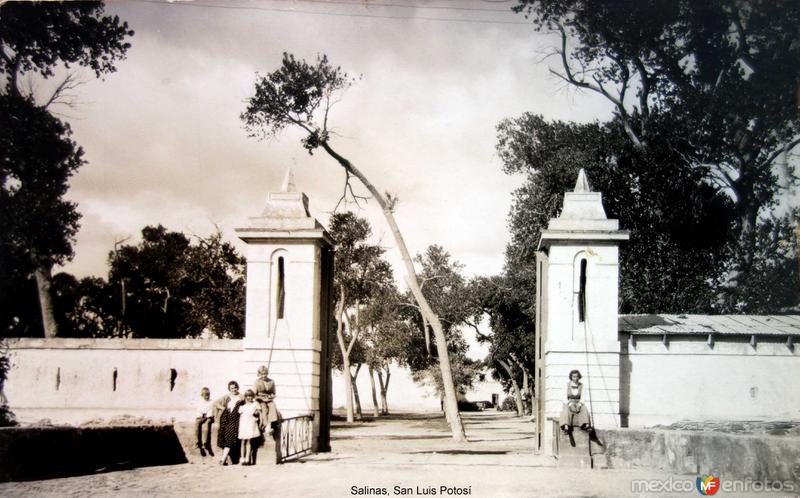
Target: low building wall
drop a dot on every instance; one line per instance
(775, 459)
(689, 379)
(72, 380)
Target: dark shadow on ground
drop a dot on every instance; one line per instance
(338, 417)
(521, 438)
(391, 437)
(483, 416)
(33, 453)
(459, 452)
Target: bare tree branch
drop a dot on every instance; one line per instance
(348, 188)
(61, 94)
(569, 76)
(777, 152)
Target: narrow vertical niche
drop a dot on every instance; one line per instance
(582, 293)
(173, 376)
(114, 376)
(281, 295)
(58, 378)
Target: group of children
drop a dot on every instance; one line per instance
(254, 414)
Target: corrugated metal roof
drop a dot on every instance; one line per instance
(711, 324)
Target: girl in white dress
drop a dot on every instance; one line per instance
(248, 425)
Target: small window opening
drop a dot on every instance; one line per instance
(281, 297)
(114, 376)
(58, 378)
(582, 293)
(173, 376)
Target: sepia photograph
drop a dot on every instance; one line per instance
(457, 248)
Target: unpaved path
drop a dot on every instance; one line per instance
(411, 451)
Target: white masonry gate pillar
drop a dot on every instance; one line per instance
(576, 311)
(289, 284)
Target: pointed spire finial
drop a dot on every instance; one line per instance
(582, 185)
(288, 181)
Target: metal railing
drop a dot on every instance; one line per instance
(294, 438)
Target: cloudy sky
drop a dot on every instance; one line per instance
(164, 142)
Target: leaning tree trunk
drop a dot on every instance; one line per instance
(355, 393)
(515, 386)
(384, 388)
(451, 402)
(348, 382)
(525, 376)
(375, 411)
(525, 390)
(43, 287)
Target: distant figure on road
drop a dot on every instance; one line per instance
(574, 413)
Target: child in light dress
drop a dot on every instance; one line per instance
(249, 414)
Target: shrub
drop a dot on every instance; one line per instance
(6, 416)
(509, 404)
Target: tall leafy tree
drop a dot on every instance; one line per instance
(771, 284)
(167, 286)
(721, 74)
(38, 37)
(172, 288)
(443, 283)
(386, 341)
(38, 156)
(511, 341)
(360, 275)
(88, 307)
(37, 226)
(680, 226)
(300, 95)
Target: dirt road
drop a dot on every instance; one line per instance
(401, 455)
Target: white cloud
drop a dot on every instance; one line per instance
(165, 144)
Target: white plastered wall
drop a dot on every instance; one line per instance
(689, 380)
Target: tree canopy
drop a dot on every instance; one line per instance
(361, 278)
(704, 127)
(177, 289)
(37, 225)
(680, 226)
(443, 282)
(38, 159)
(166, 286)
(38, 156)
(721, 74)
(35, 37)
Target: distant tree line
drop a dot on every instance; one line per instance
(167, 286)
(378, 326)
